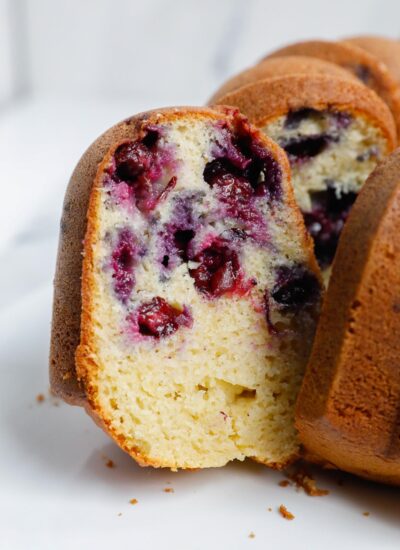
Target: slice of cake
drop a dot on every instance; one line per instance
(334, 132)
(200, 291)
(348, 411)
(362, 64)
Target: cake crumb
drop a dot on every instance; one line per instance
(252, 535)
(283, 483)
(269, 509)
(133, 501)
(303, 480)
(40, 398)
(168, 490)
(110, 463)
(120, 514)
(284, 512)
(366, 514)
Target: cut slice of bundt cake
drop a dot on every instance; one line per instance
(348, 411)
(200, 291)
(334, 132)
(362, 64)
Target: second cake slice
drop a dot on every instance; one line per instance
(334, 132)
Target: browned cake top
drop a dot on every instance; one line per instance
(385, 49)
(365, 66)
(266, 99)
(348, 410)
(280, 66)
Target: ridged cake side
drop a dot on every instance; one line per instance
(348, 411)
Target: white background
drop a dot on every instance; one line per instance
(68, 70)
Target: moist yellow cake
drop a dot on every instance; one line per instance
(200, 291)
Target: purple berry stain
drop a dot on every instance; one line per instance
(295, 288)
(303, 147)
(244, 167)
(326, 220)
(141, 165)
(122, 264)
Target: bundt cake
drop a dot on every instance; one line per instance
(387, 50)
(200, 291)
(348, 411)
(281, 66)
(334, 132)
(362, 64)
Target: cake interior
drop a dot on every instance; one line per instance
(331, 153)
(202, 302)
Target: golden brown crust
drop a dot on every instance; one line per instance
(280, 66)
(65, 331)
(348, 411)
(267, 99)
(87, 181)
(368, 68)
(385, 49)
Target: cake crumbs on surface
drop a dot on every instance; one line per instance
(40, 398)
(284, 483)
(133, 501)
(252, 535)
(110, 463)
(269, 509)
(304, 480)
(284, 512)
(366, 514)
(168, 490)
(120, 514)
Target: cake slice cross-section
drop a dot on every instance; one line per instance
(200, 292)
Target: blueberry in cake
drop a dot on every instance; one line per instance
(200, 291)
(334, 132)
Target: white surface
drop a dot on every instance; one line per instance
(55, 491)
(57, 494)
